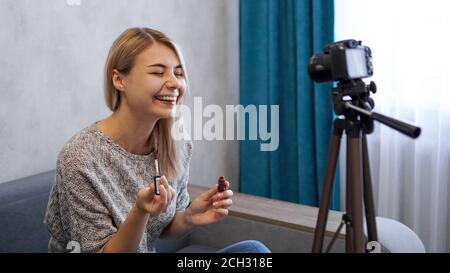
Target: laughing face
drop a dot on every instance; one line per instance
(154, 85)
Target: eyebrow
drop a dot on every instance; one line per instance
(163, 66)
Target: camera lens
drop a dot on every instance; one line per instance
(319, 68)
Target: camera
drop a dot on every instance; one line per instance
(341, 61)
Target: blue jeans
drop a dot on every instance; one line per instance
(248, 246)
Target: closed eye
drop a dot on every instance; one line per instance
(157, 73)
(179, 72)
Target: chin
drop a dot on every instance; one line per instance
(166, 114)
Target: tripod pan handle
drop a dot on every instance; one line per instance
(403, 127)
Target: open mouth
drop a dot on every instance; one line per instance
(167, 99)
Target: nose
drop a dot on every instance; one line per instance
(173, 83)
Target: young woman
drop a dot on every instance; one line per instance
(103, 198)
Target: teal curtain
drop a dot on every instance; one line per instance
(277, 37)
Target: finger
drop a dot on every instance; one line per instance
(166, 201)
(221, 211)
(162, 199)
(224, 195)
(223, 204)
(150, 191)
(165, 183)
(171, 192)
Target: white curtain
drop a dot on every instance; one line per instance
(410, 42)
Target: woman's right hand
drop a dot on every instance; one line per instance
(148, 202)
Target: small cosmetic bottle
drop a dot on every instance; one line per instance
(221, 184)
(157, 177)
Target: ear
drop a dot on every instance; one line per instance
(118, 80)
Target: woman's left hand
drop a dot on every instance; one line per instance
(210, 207)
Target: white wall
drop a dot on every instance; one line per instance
(52, 57)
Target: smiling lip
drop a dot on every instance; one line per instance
(171, 103)
(166, 102)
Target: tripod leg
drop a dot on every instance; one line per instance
(324, 207)
(348, 210)
(354, 179)
(368, 194)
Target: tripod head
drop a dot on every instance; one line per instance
(352, 100)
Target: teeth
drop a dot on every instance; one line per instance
(167, 98)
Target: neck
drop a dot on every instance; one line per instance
(129, 130)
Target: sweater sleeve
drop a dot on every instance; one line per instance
(76, 212)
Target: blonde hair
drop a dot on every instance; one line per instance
(122, 57)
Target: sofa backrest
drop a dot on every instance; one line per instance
(23, 203)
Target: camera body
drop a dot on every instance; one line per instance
(341, 61)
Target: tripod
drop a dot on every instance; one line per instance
(352, 100)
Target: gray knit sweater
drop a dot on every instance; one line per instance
(95, 187)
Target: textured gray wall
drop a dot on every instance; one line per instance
(52, 57)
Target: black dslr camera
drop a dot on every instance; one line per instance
(341, 61)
